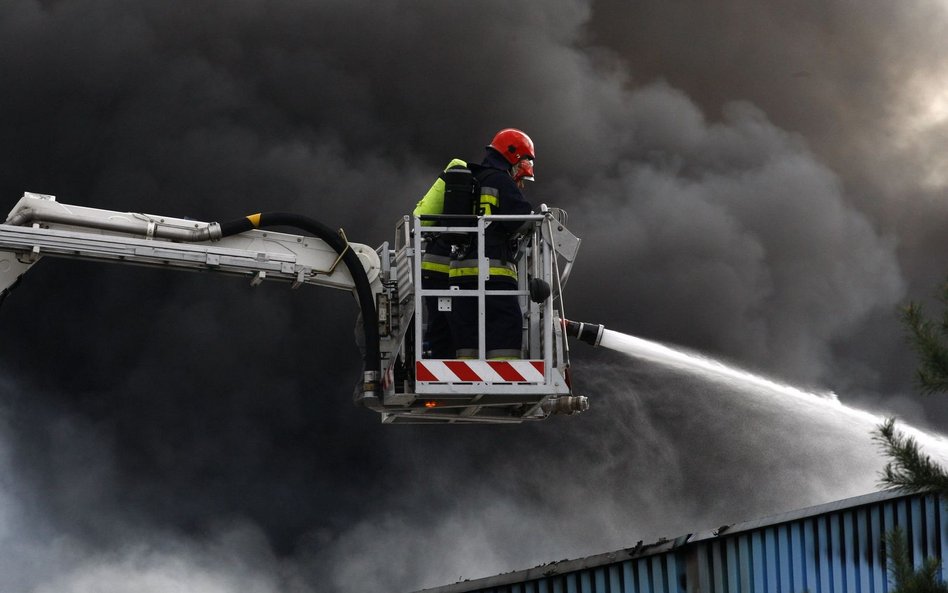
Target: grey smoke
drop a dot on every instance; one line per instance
(862, 84)
(726, 224)
(756, 196)
(662, 455)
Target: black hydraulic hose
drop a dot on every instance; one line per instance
(6, 292)
(363, 290)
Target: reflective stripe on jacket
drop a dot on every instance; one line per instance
(467, 268)
(439, 264)
(490, 201)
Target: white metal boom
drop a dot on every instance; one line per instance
(260, 254)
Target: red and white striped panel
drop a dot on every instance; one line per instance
(479, 371)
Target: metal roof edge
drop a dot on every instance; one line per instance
(550, 569)
(795, 515)
(640, 550)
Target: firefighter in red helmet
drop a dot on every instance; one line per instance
(513, 145)
(508, 162)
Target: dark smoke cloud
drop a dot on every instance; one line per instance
(861, 82)
(753, 182)
(739, 239)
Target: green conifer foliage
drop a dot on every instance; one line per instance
(902, 573)
(908, 468)
(930, 341)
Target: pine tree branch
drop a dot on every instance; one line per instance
(928, 339)
(904, 577)
(908, 469)
(899, 566)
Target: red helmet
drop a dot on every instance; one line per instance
(514, 145)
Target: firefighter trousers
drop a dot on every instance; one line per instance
(437, 338)
(503, 325)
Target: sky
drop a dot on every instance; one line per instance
(760, 182)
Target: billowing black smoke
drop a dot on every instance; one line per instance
(158, 424)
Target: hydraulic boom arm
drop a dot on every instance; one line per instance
(401, 380)
(62, 230)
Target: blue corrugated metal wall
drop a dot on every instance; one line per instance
(839, 551)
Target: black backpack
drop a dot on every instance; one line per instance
(461, 194)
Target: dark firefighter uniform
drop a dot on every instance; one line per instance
(499, 195)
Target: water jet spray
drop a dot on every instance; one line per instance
(597, 335)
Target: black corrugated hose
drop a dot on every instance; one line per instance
(372, 360)
(5, 293)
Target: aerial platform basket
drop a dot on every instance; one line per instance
(480, 390)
